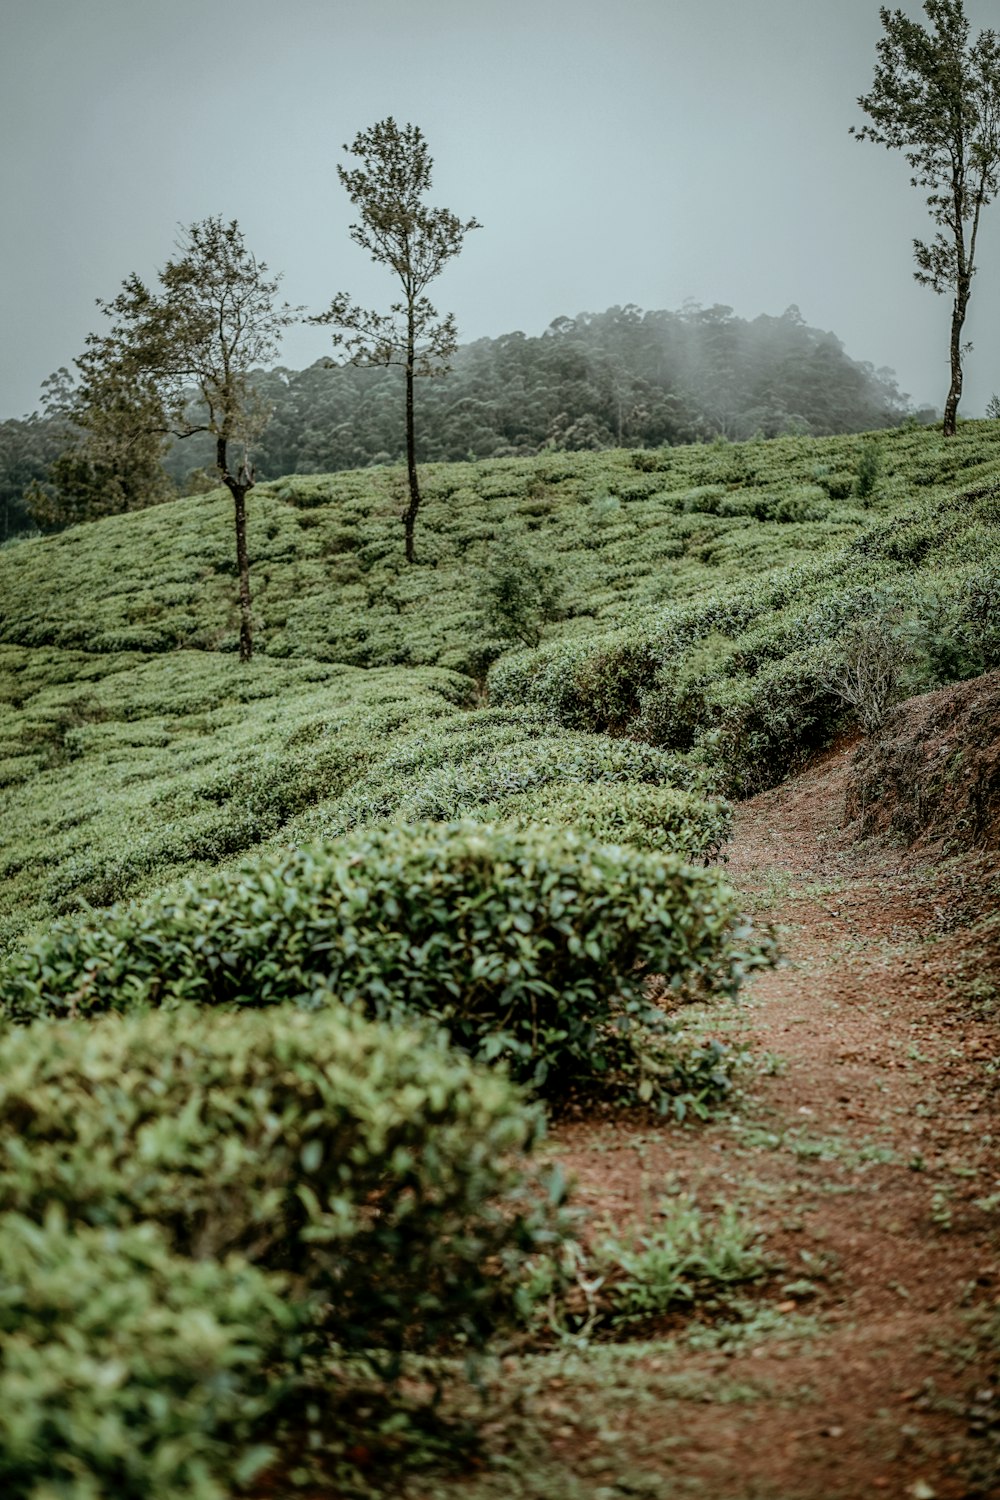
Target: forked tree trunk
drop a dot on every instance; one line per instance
(239, 486)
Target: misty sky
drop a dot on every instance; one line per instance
(615, 151)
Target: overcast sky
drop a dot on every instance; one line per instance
(615, 151)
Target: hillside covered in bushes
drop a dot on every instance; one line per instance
(705, 600)
(296, 953)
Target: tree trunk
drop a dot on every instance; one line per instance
(243, 565)
(959, 309)
(410, 516)
(238, 487)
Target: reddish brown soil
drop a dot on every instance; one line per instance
(883, 1013)
(868, 1364)
(932, 777)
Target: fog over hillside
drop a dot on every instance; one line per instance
(650, 154)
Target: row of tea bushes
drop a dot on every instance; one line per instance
(659, 819)
(189, 1200)
(527, 944)
(469, 765)
(127, 1371)
(742, 676)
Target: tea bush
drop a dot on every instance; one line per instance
(525, 944)
(161, 764)
(588, 684)
(379, 1166)
(520, 592)
(127, 1371)
(763, 727)
(655, 818)
(463, 765)
(602, 683)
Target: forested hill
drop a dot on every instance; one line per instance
(622, 378)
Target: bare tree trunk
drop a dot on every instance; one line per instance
(238, 487)
(959, 310)
(410, 516)
(243, 565)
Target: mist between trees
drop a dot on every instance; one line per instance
(622, 378)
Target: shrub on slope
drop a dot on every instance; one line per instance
(743, 675)
(660, 819)
(123, 772)
(379, 1168)
(528, 944)
(462, 765)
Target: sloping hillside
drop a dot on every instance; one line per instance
(298, 957)
(705, 596)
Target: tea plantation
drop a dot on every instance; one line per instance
(295, 956)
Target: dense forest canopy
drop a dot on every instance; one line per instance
(622, 378)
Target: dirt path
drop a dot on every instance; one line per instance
(863, 1146)
(867, 1364)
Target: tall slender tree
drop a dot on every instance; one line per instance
(178, 360)
(936, 98)
(400, 231)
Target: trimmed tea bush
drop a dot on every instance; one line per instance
(471, 766)
(128, 1372)
(380, 1167)
(766, 726)
(655, 818)
(529, 944)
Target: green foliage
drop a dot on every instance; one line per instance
(753, 724)
(84, 485)
(211, 323)
(475, 764)
(625, 378)
(682, 1256)
(415, 242)
(132, 750)
(520, 593)
(744, 675)
(869, 465)
(526, 944)
(764, 727)
(377, 1165)
(656, 818)
(127, 1371)
(588, 684)
(141, 769)
(936, 98)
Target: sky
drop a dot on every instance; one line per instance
(650, 152)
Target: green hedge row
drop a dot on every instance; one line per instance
(528, 944)
(458, 767)
(742, 678)
(597, 683)
(369, 1161)
(659, 819)
(192, 1200)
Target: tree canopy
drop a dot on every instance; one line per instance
(400, 231)
(179, 360)
(936, 98)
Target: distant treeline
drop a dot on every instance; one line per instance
(622, 378)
